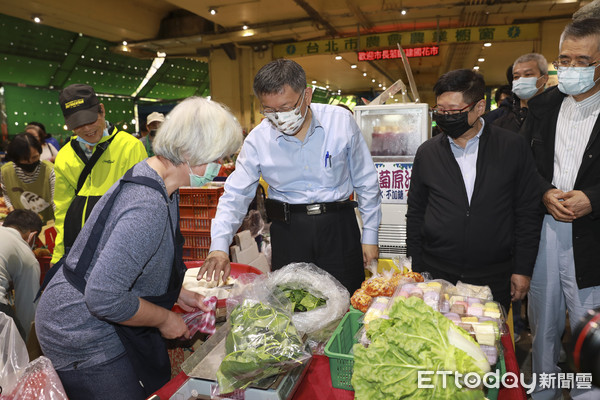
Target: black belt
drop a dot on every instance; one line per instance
(280, 211)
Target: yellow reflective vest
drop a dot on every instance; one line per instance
(123, 152)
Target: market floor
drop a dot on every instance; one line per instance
(523, 354)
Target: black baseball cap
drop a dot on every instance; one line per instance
(79, 104)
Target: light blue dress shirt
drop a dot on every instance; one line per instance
(467, 160)
(331, 163)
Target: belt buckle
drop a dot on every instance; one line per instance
(314, 209)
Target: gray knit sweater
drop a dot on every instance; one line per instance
(133, 259)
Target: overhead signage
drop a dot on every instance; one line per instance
(391, 54)
(492, 33)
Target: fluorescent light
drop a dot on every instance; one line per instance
(314, 82)
(481, 59)
(156, 64)
(476, 67)
(338, 57)
(161, 54)
(353, 66)
(487, 44)
(364, 74)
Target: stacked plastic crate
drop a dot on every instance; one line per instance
(197, 208)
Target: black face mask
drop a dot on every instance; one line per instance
(28, 167)
(152, 133)
(453, 125)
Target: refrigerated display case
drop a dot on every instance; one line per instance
(393, 133)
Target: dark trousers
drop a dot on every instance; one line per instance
(112, 380)
(498, 283)
(331, 241)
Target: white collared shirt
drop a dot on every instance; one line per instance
(574, 126)
(467, 159)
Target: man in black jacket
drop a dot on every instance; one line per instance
(562, 127)
(473, 205)
(530, 74)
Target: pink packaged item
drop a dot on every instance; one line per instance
(201, 321)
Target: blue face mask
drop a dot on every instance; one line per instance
(212, 170)
(576, 81)
(80, 139)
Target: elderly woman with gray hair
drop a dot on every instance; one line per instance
(103, 315)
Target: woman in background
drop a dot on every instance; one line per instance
(38, 130)
(28, 183)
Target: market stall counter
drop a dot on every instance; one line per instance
(316, 382)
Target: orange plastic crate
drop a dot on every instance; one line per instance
(200, 196)
(186, 211)
(196, 245)
(195, 224)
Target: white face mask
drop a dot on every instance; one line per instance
(288, 122)
(574, 81)
(525, 88)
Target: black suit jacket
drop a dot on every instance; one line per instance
(540, 130)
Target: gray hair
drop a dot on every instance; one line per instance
(538, 58)
(272, 77)
(199, 131)
(581, 28)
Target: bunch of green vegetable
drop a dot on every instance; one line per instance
(301, 299)
(415, 338)
(262, 342)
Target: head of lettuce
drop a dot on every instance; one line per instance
(416, 338)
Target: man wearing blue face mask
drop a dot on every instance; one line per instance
(530, 74)
(313, 156)
(86, 167)
(563, 126)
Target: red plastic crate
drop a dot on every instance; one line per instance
(196, 245)
(200, 196)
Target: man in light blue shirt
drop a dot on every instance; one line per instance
(313, 156)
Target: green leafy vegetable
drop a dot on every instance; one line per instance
(415, 338)
(262, 342)
(302, 299)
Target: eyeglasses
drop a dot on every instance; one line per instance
(567, 62)
(437, 111)
(269, 110)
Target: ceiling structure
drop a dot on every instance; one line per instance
(186, 28)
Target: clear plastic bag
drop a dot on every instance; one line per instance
(13, 356)
(39, 381)
(319, 283)
(19, 378)
(262, 341)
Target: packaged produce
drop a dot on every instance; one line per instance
(263, 340)
(415, 338)
(381, 284)
(475, 306)
(361, 300)
(430, 292)
(319, 300)
(485, 330)
(378, 309)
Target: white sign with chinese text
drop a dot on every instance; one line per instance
(394, 181)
